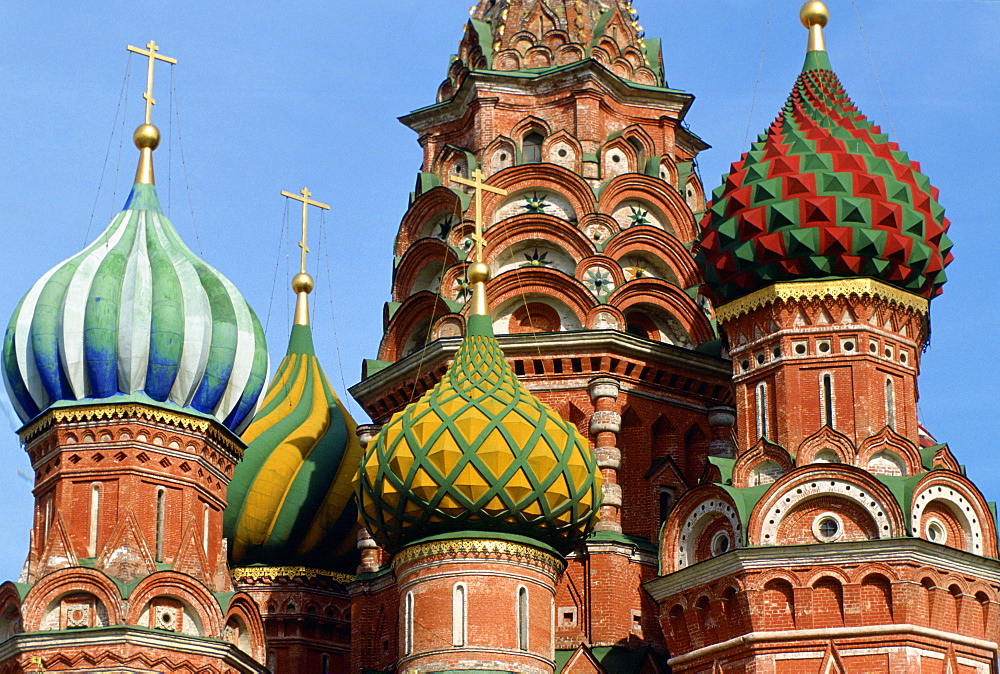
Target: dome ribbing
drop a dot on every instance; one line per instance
(291, 500)
(479, 453)
(822, 194)
(136, 314)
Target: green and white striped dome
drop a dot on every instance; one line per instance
(136, 314)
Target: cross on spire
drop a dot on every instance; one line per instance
(479, 186)
(306, 203)
(150, 51)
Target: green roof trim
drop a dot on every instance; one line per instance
(617, 537)
(484, 32)
(725, 467)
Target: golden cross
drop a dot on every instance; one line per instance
(478, 184)
(153, 56)
(306, 203)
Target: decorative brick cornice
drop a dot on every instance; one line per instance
(256, 573)
(479, 548)
(806, 290)
(130, 411)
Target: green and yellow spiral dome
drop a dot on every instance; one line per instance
(479, 453)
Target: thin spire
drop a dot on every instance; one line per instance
(814, 16)
(302, 283)
(479, 272)
(147, 136)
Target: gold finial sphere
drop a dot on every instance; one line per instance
(303, 283)
(479, 272)
(145, 136)
(814, 13)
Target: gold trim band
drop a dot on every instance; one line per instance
(479, 546)
(271, 572)
(805, 290)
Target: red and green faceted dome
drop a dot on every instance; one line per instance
(823, 194)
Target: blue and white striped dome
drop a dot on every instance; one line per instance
(136, 314)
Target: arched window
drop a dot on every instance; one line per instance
(95, 506)
(762, 413)
(890, 404)
(458, 615)
(826, 398)
(408, 624)
(161, 516)
(522, 618)
(531, 148)
(640, 154)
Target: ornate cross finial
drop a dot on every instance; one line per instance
(479, 186)
(150, 51)
(478, 272)
(306, 203)
(302, 284)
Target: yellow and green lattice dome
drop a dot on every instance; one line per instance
(479, 453)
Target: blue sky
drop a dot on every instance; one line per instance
(270, 100)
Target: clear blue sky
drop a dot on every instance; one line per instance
(307, 95)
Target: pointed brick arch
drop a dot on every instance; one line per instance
(182, 588)
(760, 453)
(537, 226)
(428, 205)
(891, 441)
(825, 438)
(666, 247)
(529, 280)
(410, 314)
(671, 299)
(542, 176)
(655, 191)
(416, 259)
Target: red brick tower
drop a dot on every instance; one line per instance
(478, 490)
(835, 540)
(133, 365)
(594, 291)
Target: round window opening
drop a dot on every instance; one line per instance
(562, 152)
(936, 532)
(824, 346)
(827, 528)
(503, 156)
(616, 158)
(800, 348)
(721, 543)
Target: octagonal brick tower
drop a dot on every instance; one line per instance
(594, 292)
(133, 365)
(840, 537)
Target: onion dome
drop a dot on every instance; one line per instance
(823, 194)
(136, 314)
(479, 453)
(291, 499)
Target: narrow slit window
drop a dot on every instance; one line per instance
(95, 506)
(408, 625)
(522, 618)
(161, 516)
(204, 535)
(458, 616)
(762, 413)
(826, 386)
(890, 404)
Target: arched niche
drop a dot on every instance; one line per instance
(652, 322)
(553, 308)
(534, 253)
(642, 264)
(534, 202)
(638, 212)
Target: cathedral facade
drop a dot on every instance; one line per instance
(616, 424)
